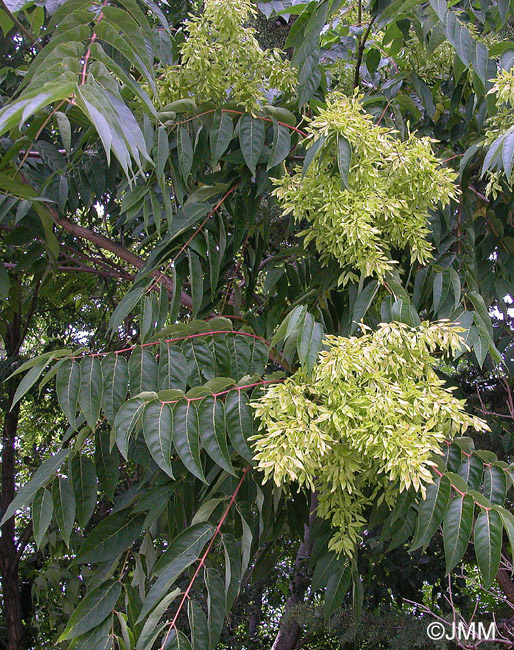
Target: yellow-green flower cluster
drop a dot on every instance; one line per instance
(222, 60)
(392, 185)
(499, 124)
(365, 425)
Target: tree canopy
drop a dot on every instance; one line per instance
(256, 319)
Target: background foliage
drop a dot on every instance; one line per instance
(155, 283)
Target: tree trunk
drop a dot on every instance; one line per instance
(290, 632)
(8, 550)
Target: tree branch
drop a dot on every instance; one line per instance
(20, 26)
(119, 251)
(362, 45)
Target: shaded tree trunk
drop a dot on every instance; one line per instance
(9, 559)
(290, 632)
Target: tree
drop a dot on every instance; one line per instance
(248, 293)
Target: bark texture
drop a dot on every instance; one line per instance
(290, 632)
(9, 558)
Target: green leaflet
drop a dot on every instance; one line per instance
(431, 511)
(171, 368)
(200, 361)
(495, 484)
(42, 512)
(220, 135)
(143, 372)
(148, 633)
(64, 506)
(106, 463)
(30, 379)
(186, 436)
(67, 386)
(157, 431)
(110, 537)
(196, 281)
(185, 152)
(233, 567)
(471, 470)
(215, 606)
(213, 434)
(344, 158)
(336, 589)
(309, 341)
(251, 139)
(488, 541)
(96, 639)
(457, 525)
(126, 421)
(116, 378)
(91, 386)
(197, 625)
(281, 145)
(92, 611)
(83, 480)
(239, 422)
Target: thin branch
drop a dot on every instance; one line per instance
(33, 40)
(173, 623)
(360, 53)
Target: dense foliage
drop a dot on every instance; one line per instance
(256, 312)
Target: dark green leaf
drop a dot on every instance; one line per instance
(157, 430)
(213, 433)
(42, 512)
(337, 586)
(220, 135)
(126, 421)
(239, 422)
(106, 463)
(116, 378)
(215, 606)
(185, 152)
(67, 386)
(171, 368)
(186, 436)
(83, 480)
(251, 138)
(457, 525)
(91, 385)
(143, 372)
(431, 511)
(198, 626)
(92, 610)
(64, 506)
(281, 145)
(488, 542)
(181, 553)
(110, 537)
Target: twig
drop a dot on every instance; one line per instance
(33, 40)
(360, 53)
